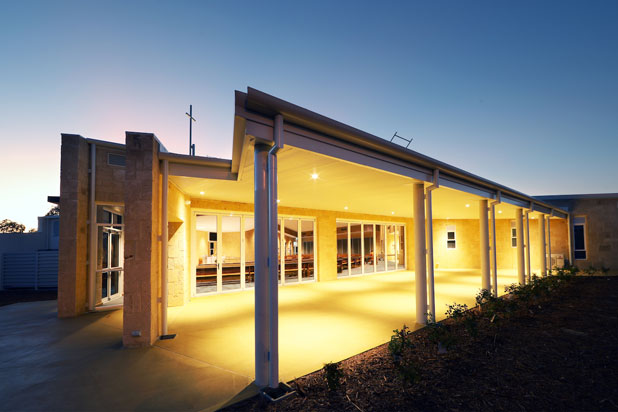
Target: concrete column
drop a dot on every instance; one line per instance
(164, 245)
(484, 247)
(262, 275)
(521, 264)
(528, 264)
(420, 264)
(430, 265)
(72, 247)
(542, 260)
(141, 313)
(549, 268)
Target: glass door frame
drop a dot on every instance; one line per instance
(111, 228)
(375, 223)
(242, 215)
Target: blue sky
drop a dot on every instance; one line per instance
(524, 93)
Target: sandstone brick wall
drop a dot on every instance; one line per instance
(73, 243)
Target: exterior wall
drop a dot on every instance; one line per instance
(109, 179)
(467, 253)
(73, 249)
(178, 213)
(601, 231)
(142, 277)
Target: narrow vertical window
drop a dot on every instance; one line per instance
(451, 238)
(579, 238)
(513, 234)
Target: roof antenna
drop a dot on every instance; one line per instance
(191, 120)
(402, 138)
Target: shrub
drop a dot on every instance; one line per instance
(400, 343)
(333, 375)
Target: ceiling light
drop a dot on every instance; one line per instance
(201, 193)
(314, 176)
(392, 213)
(345, 208)
(499, 211)
(467, 205)
(188, 202)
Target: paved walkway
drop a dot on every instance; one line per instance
(52, 364)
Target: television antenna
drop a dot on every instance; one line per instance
(191, 120)
(402, 138)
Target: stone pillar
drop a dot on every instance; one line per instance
(484, 246)
(420, 263)
(141, 315)
(73, 243)
(521, 262)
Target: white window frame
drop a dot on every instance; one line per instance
(451, 228)
(513, 228)
(580, 221)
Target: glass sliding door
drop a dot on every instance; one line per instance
(342, 249)
(368, 246)
(291, 250)
(391, 245)
(249, 261)
(308, 258)
(401, 251)
(380, 248)
(206, 239)
(356, 253)
(229, 253)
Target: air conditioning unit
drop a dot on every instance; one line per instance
(557, 260)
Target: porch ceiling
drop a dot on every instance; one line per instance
(339, 184)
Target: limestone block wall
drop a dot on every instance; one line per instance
(73, 243)
(109, 178)
(141, 315)
(178, 247)
(601, 231)
(466, 254)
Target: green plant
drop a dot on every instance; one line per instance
(604, 270)
(456, 310)
(408, 371)
(440, 334)
(400, 342)
(333, 375)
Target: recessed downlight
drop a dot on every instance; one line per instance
(467, 204)
(278, 200)
(345, 208)
(314, 176)
(202, 193)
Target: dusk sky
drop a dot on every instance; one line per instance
(522, 93)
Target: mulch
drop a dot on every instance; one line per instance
(559, 353)
(8, 297)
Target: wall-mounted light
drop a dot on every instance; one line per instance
(467, 205)
(202, 193)
(499, 211)
(188, 202)
(278, 200)
(345, 208)
(314, 176)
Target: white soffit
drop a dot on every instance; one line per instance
(339, 185)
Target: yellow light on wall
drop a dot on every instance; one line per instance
(467, 205)
(202, 193)
(345, 208)
(314, 176)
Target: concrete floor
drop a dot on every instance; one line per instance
(47, 363)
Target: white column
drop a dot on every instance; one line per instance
(549, 268)
(484, 246)
(528, 264)
(494, 257)
(430, 265)
(543, 263)
(262, 326)
(164, 235)
(420, 264)
(273, 267)
(521, 264)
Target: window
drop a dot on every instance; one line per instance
(579, 238)
(451, 241)
(114, 159)
(513, 234)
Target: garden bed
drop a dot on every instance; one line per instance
(549, 348)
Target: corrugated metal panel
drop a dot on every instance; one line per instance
(30, 270)
(48, 269)
(19, 270)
